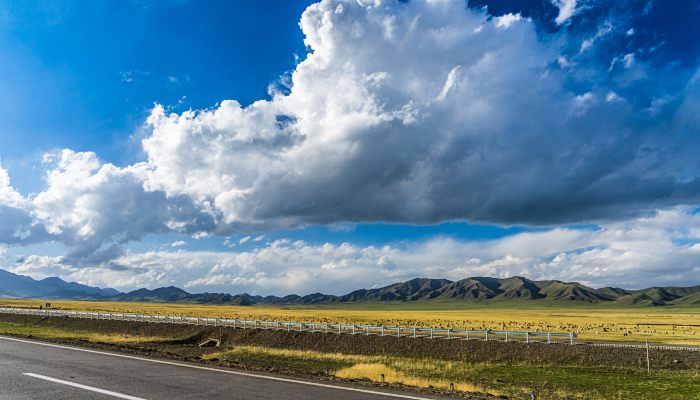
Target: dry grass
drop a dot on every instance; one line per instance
(410, 372)
(373, 372)
(658, 324)
(43, 332)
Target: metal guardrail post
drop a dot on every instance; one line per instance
(449, 333)
(571, 338)
(414, 331)
(506, 336)
(398, 331)
(527, 337)
(487, 335)
(353, 329)
(549, 337)
(382, 330)
(431, 333)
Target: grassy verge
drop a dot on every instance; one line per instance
(51, 333)
(509, 380)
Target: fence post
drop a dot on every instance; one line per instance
(398, 331)
(571, 338)
(527, 337)
(431, 333)
(487, 335)
(367, 328)
(382, 330)
(467, 334)
(648, 365)
(353, 329)
(506, 336)
(549, 337)
(449, 333)
(414, 331)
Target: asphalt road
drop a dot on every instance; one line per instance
(37, 370)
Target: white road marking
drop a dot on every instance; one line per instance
(84, 387)
(223, 371)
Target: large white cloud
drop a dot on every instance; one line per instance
(422, 112)
(412, 112)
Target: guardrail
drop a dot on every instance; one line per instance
(340, 329)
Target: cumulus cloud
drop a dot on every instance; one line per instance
(16, 223)
(633, 254)
(408, 112)
(8, 195)
(421, 112)
(567, 8)
(505, 21)
(94, 208)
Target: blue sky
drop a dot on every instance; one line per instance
(236, 146)
(85, 75)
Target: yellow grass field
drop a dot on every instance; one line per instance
(395, 369)
(677, 325)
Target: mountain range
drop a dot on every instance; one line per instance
(18, 286)
(479, 289)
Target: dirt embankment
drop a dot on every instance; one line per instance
(184, 338)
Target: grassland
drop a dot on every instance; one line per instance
(502, 379)
(672, 324)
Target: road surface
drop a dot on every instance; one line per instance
(38, 370)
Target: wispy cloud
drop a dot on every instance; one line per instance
(633, 254)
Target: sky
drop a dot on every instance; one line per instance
(277, 147)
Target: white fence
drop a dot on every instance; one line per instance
(340, 329)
